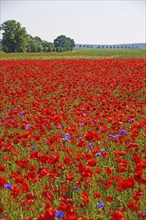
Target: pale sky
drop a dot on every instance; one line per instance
(87, 22)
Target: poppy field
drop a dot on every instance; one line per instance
(72, 139)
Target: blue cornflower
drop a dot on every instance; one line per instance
(8, 186)
(116, 136)
(22, 113)
(45, 143)
(81, 124)
(110, 135)
(98, 154)
(59, 127)
(67, 137)
(123, 132)
(80, 138)
(59, 214)
(100, 205)
(144, 211)
(76, 188)
(33, 147)
(102, 150)
(91, 144)
(130, 120)
(28, 126)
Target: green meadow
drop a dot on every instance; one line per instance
(77, 54)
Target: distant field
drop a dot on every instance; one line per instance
(77, 54)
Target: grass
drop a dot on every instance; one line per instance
(77, 54)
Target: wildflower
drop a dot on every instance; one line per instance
(8, 186)
(130, 120)
(76, 188)
(100, 205)
(33, 148)
(133, 206)
(92, 136)
(59, 214)
(28, 126)
(116, 136)
(108, 171)
(91, 144)
(101, 128)
(110, 135)
(98, 154)
(123, 132)
(59, 127)
(109, 198)
(81, 124)
(22, 113)
(117, 215)
(102, 150)
(87, 172)
(67, 137)
(84, 114)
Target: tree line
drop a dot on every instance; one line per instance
(16, 39)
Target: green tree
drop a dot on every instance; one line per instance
(34, 44)
(48, 46)
(38, 39)
(45, 45)
(14, 37)
(63, 43)
(51, 47)
(1, 47)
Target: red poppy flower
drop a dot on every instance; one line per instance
(117, 215)
(87, 172)
(109, 198)
(133, 206)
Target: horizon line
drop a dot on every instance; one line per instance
(109, 43)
